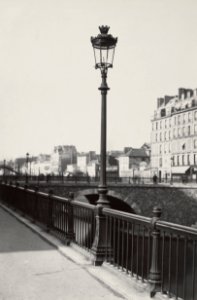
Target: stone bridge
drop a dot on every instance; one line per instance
(178, 203)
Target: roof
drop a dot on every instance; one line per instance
(146, 145)
(136, 152)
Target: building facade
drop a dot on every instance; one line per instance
(134, 161)
(84, 160)
(67, 156)
(174, 135)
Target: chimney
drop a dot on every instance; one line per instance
(195, 92)
(188, 93)
(181, 92)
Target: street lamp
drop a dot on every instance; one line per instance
(27, 161)
(104, 48)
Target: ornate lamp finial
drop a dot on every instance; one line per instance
(104, 29)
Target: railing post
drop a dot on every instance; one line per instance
(101, 246)
(4, 193)
(9, 199)
(14, 196)
(70, 235)
(35, 204)
(155, 273)
(24, 204)
(50, 211)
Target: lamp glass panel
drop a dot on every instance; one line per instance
(97, 56)
(110, 56)
(104, 57)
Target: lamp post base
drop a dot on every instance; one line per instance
(103, 201)
(101, 248)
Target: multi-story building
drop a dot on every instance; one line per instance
(174, 134)
(40, 165)
(67, 156)
(83, 160)
(134, 161)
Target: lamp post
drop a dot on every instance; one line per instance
(27, 161)
(104, 48)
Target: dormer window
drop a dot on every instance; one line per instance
(163, 112)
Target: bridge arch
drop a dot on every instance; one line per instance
(116, 199)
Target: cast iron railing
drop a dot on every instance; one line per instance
(130, 238)
(83, 223)
(164, 254)
(178, 256)
(67, 220)
(133, 180)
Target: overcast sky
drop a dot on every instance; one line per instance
(48, 85)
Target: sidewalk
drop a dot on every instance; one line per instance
(36, 266)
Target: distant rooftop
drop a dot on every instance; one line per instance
(168, 105)
(136, 152)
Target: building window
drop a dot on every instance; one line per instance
(172, 161)
(194, 159)
(174, 120)
(188, 159)
(165, 123)
(165, 136)
(184, 118)
(160, 136)
(169, 135)
(189, 116)
(183, 161)
(177, 160)
(183, 131)
(195, 128)
(179, 132)
(195, 144)
(179, 119)
(160, 124)
(160, 161)
(169, 122)
(156, 137)
(189, 131)
(163, 112)
(160, 149)
(195, 115)
(156, 125)
(174, 132)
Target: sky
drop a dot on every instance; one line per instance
(48, 84)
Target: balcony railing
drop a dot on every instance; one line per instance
(163, 254)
